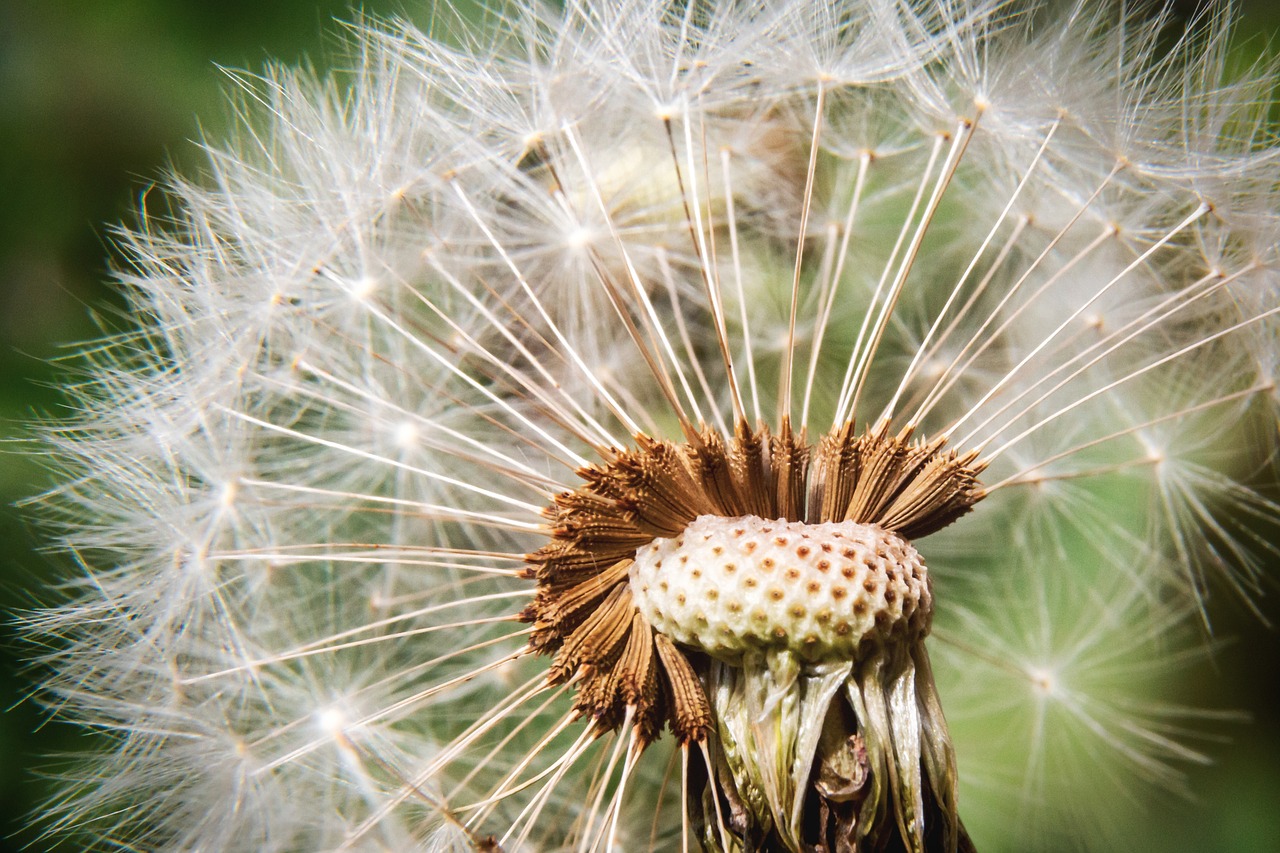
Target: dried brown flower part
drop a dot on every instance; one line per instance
(583, 612)
(847, 613)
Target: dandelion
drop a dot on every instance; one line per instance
(647, 426)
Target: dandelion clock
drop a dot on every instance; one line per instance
(680, 426)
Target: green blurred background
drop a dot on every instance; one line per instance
(96, 98)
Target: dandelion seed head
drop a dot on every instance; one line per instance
(331, 721)
(450, 351)
(363, 287)
(406, 435)
(1044, 681)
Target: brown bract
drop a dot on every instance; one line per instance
(583, 612)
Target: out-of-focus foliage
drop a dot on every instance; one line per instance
(95, 96)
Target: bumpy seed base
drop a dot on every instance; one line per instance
(728, 585)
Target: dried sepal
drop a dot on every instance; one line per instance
(594, 642)
(690, 713)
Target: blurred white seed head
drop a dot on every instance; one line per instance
(439, 343)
